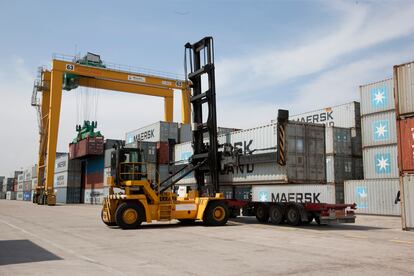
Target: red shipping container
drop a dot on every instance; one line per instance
(85, 147)
(406, 145)
(163, 152)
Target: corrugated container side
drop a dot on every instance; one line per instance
(406, 145)
(67, 179)
(407, 201)
(339, 168)
(63, 164)
(27, 185)
(356, 141)
(404, 88)
(10, 195)
(95, 164)
(34, 183)
(227, 191)
(28, 174)
(374, 196)
(338, 141)
(380, 162)
(242, 192)
(149, 151)
(19, 195)
(68, 195)
(346, 115)
(377, 97)
(94, 180)
(157, 132)
(163, 171)
(27, 196)
(94, 196)
(379, 129)
(163, 153)
(301, 193)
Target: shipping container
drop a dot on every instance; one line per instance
(163, 153)
(9, 184)
(2, 195)
(163, 172)
(34, 171)
(19, 195)
(67, 179)
(380, 162)
(94, 180)
(27, 196)
(94, 196)
(345, 115)
(68, 195)
(404, 89)
(339, 168)
(379, 129)
(157, 132)
(373, 196)
(110, 143)
(19, 187)
(27, 185)
(407, 201)
(149, 150)
(242, 192)
(10, 195)
(87, 147)
(406, 145)
(185, 133)
(338, 141)
(20, 178)
(377, 97)
(301, 193)
(305, 155)
(356, 141)
(95, 164)
(63, 163)
(27, 174)
(34, 183)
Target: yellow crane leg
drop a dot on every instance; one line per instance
(168, 109)
(54, 114)
(186, 106)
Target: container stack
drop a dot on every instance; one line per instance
(404, 100)
(3, 183)
(29, 174)
(94, 180)
(20, 183)
(165, 135)
(67, 179)
(376, 193)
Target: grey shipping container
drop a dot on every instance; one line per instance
(379, 129)
(404, 88)
(377, 97)
(67, 179)
(380, 162)
(356, 141)
(373, 196)
(68, 195)
(339, 168)
(2, 195)
(19, 195)
(110, 143)
(338, 141)
(163, 172)
(407, 201)
(305, 155)
(63, 164)
(11, 195)
(301, 193)
(149, 151)
(8, 184)
(157, 132)
(346, 115)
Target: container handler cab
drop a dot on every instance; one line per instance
(140, 201)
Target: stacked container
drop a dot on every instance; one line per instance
(93, 180)
(341, 165)
(404, 103)
(27, 184)
(67, 180)
(8, 184)
(3, 183)
(20, 183)
(376, 193)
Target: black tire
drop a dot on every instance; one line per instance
(132, 219)
(234, 212)
(276, 214)
(216, 214)
(187, 221)
(262, 213)
(107, 223)
(293, 216)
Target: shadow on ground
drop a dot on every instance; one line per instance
(23, 251)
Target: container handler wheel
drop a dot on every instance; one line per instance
(276, 214)
(187, 221)
(262, 213)
(107, 223)
(129, 215)
(293, 216)
(216, 214)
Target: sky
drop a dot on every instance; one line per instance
(296, 55)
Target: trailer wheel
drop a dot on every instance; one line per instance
(293, 216)
(129, 215)
(276, 214)
(262, 213)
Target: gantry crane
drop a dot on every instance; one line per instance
(90, 71)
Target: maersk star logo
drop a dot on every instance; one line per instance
(361, 197)
(263, 196)
(382, 163)
(381, 130)
(379, 97)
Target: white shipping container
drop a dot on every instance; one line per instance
(404, 88)
(377, 97)
(67, 179)
(157, 132)
(301, 193)
(19, 196)
(10, 195)
(345, 115)
(373, 196)
(34, 171)
(63, 164)
(379, 129)
(380, 162)
(94, 196)
(407, 201)
(107, 173)
(19, 187)
(20, 178)
(27, 174)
